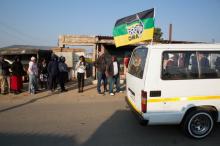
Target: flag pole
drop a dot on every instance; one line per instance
(151, 43)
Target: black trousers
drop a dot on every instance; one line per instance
(80, 77)
(52, 81)
(62, 79)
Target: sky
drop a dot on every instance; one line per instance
(40, 22)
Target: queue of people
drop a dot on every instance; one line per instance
(46, 76)
(56, 71)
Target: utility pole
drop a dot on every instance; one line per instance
(170, 32)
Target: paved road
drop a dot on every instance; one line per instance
(85, 119)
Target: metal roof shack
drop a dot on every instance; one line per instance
(23, 49)
(25, 52)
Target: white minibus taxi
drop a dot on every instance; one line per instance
(176, 84)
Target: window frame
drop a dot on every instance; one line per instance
(145, 60)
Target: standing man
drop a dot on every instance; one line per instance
(33, 73)
(4, 75)
(53, 72)
(113, 69)
(63, 73)
(101, 64)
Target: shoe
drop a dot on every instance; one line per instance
(16, 92)
(112, 94)
(119, 91)
(64, 90)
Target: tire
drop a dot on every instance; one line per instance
(198, 124)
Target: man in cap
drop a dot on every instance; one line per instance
(33, 72)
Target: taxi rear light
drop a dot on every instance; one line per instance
(143, 101)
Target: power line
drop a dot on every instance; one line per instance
(21, 34)
(11, 35)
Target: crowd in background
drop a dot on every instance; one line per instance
(42, 76)
(47, 75)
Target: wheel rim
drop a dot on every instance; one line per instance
(200, 125)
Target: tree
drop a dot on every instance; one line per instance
(158, 34)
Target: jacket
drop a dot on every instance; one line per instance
(62, 67)
(17, 69)
(53, 68)
(4, 68)
(101, 63)
(110, 69)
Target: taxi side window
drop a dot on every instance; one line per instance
(175, 65)
(190, 65)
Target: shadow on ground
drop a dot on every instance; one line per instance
(7, 139)
(26, 103)
(70, 86)
(122, 129)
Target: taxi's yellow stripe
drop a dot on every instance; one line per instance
(163, 99)
(133, 106)
(203, 97)
(175, 99)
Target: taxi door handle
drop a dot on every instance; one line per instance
(155, 93)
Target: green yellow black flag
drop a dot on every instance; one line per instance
(135, 28)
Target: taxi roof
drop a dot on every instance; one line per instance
(185, 46)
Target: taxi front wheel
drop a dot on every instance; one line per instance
(198, 124)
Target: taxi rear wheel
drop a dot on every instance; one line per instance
(198, 124)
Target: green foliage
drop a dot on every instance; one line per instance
(158, 34)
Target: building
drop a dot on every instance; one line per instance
(103, 44)
(72, 56)
(25, 52)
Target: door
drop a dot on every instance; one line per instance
(135, 76)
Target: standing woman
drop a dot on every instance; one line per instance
(16, 78)
(81, 69)
(43, 74)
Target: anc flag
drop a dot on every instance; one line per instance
(135, 28)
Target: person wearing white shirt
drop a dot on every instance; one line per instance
(113, 69)
(80, 70)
